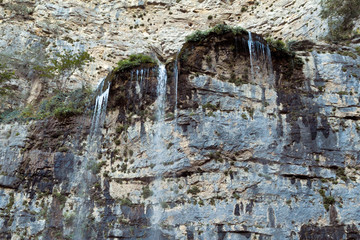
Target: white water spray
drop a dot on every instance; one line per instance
(84, 177)
(159, 149)
(100, 109)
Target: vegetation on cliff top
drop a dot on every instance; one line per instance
(134, 60)
(341, 16)
(219, 29)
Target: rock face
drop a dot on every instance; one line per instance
(228, 138)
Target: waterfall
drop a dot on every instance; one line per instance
(100, 109)
(260, 59)
(158, 149)
(84, 178)
(161, 93)
(250, 43)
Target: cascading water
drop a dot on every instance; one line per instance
(100, 109)
(161, 93)
(260, 58)
(159, 148)
(84, 178)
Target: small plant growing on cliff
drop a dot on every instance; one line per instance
(194, 190)
(5, 75)
(63, 65)
(134, 60)
(146, 192)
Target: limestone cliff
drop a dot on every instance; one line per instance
(224, 136)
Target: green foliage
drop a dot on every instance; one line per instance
(10, 203)
(63, 65)
(96, 167)
(60, 197)
(211, 106)
(134, 60)
(341, 15)
(146, 192)
(327, 201)
(279, 47)
(357, 49)
(126, 202)
(64, 105)
(340, 173)
(5, 75)
(219, 29)
(194, 190)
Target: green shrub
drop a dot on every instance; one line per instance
(134, 60)
(327, 201)
(64, 105)
(219, 29)
(126, 202)
(341, 15)
(63, 65)
(146, 192)
(63, 149)
(5, 75)
(279, 47)
(96, 167)
(60, 197)
(194, 190)
(211, 106)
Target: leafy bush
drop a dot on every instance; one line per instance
(62, 106)
(65, 105)
(279, 47)
(341, 15)
(134, 60)
(96, 167)
(219, 29)
(194, 190)
(63, 65)
(146, 192)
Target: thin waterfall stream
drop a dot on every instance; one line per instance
(159, 148)
(84, 177)
(260, 58)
